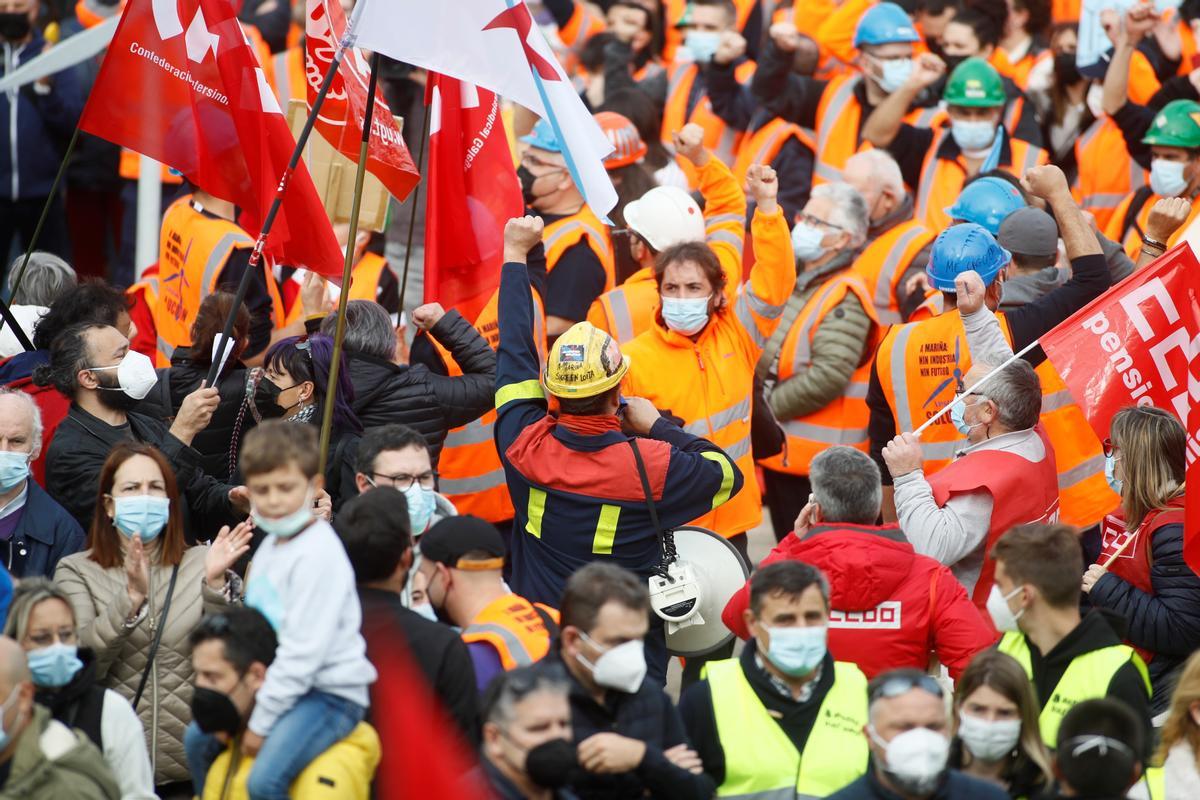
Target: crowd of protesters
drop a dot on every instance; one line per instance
(837, 220)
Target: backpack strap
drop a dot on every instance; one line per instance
(1135, 207)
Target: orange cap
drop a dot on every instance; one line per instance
(624, 137)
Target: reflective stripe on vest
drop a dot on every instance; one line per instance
(474, 432)
(572, 226)
(516, 650)
(1087, 677)
(838, 103)
(928, 170)
(890, 271)
(760, 760)
(283, 80)
(617, 306)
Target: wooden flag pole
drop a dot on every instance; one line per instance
(348, 267)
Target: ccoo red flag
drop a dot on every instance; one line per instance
(341, 118)
(181, 84)
(1134, 345)
(473, 192)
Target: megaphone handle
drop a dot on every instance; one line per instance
(666, 539)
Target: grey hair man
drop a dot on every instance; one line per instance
(812, 366)
(46, 278)
(909, 738)
(1005, 476)
(527, 748)
(41, 756)
(35, 530)
(897, 246)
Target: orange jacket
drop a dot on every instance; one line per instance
(709, 382)
(1107, 174)
(629, 309)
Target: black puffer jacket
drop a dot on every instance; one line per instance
(1167, 622)
(412, 395)
(223, 432)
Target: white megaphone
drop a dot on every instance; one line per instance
(702, 571)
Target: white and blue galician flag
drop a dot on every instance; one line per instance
(495, 44)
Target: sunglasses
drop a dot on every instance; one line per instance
(898, 685)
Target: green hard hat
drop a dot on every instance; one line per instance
(976, 84)
(1176, 125)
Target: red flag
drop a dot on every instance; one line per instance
(341, 119)
(181, 84)
(473, 192)
(1134, 345)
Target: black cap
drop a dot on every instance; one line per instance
(452, 538)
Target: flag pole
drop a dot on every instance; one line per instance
(416, 198)
(33, 240)
(269, 222)
(978, 385)
(348, 267)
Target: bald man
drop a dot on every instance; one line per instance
(40, 757)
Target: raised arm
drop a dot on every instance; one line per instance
(885, 122)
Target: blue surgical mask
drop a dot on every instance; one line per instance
(289, 525)
(54, 666)
(421, 505)
(973, 135)
(1166, 177)
(806, 241)
(1110, 473)
(796, 651)
(5, 736)
(957, 411)
(896, 72)
(143, 515)
(702, 45)
(686, 315)
(14, 468)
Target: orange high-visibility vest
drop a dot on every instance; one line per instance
(882, 263)
(514, 627)
(942, 180)
(470, 473)
(583, 25)
(933, 305)
(143, 299)
(1083, 494)
(193, 250)
(1131, 237)
(844, 421)
(722, 140)
(1065, 10)
(673, 11)
(291, 83)
(763, 146)
(629, 309)
(1018, 72)
(364, 285)
(1106, 172)
(919, 365)
(584, 226)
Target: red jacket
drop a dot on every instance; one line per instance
(890, 606)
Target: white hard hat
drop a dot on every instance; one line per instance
(665, 216)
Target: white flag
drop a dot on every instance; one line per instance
(494, 44)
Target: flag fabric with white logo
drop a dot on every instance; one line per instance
(496, 45)
(473, 191)
(1134, 345)
(342, 114)
(181, 84)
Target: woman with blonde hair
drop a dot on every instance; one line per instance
(1179, 750)
(1141, 573)
(997, 737)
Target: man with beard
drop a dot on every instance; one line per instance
(92, 365)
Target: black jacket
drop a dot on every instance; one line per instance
(795, 718)
(412, 395)
(648, 716)
(82, 443)
(954, 786)
(438, 651)
(79, 704)
(1167, 622)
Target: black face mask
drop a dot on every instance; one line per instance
(15, 25)
(112, 395)
(527, 179)
(952, 62)
(214, 712)
(551, 763)
(266, 399)
(1066, 72)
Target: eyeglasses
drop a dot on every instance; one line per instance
(899, 684)
(1110, 449)
(809, 219)
(404, 482)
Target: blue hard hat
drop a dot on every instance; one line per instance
(987, 202)
(962, 248)
(886, 23)
(542, 137)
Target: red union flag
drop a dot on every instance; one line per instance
(181, 84)
(473, 192)
(1135, 345)
(341, 117)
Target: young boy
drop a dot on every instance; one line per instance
(315, 691)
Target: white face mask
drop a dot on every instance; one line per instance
(989, 740)
(1167, 178)
(135, 374)
(973, 137)
(1095, 100)
(896, 72)
(806, 242)
(622, 667)
(1002, 616)
(915, 759)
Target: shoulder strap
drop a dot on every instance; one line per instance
(162, 624)
(666, 541)
(547, 620)
(1135, 206)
